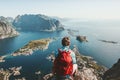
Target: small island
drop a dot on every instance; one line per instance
(5, 74)
(72, 32)
(81, 38)
(2, 58)
(34, 45)
(106, 41)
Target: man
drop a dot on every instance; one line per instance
(65, 67)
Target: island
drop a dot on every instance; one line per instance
(2, 58)
(5, 74)
(72, 32)
(106, 41)
(32, 46)
(81, 38)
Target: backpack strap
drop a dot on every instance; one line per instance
(60, 50)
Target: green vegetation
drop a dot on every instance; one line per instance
(28, 49)
(36, 43)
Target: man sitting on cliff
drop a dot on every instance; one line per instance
(65, 63)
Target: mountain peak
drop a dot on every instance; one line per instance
(38, 22)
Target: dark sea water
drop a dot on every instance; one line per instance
(104, 53)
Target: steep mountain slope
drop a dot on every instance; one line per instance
(37, 23)
(6, 29)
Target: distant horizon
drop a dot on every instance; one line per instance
(79, 9)
(82, 19)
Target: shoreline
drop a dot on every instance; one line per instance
(5, 74)
(30, 47)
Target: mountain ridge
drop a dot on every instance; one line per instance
(31, 22)
(6, 28)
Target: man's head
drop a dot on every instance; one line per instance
(66, 41)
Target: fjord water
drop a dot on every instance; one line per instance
(104, 53)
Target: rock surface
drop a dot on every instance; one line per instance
(81, 38)
(2, 58)
(5, 74)
(113, 73)
(88, 69)
(6, 29)
(37, 23)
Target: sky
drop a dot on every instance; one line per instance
(83, 9)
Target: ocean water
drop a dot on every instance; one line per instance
(104, 53)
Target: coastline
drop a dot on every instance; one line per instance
(86, 64)
(5, 74)
(30, 47)
(9, 36)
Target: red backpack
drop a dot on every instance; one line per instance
(63, 63)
